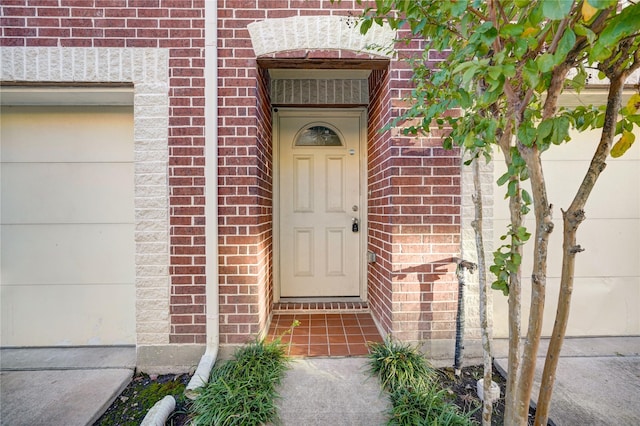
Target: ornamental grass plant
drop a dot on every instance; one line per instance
(415, 395)
(242, 391)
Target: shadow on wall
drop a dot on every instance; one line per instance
(429, 273)
(438, 298)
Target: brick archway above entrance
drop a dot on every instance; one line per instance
(319, 32)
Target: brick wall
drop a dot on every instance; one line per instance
(380, 230)
(414, 207)
(414, 217)
(245, 178)
(178, 27)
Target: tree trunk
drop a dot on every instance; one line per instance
(515, 289)
(487, 406)
(544, 226)
(572, 219)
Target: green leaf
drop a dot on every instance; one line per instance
(503, 179)
(516, 158)
(489, 36)
(634, 119)
(458, 7)
(556, 9)
(530, 73)
(520, 48)
(526, 134)
(560, 130)
(623, 25)
(486, 26)
(525, 196)
(494, 72)
(511, 30)
(479, 143)
(418, 26)
(509, 70)
(544, 129)
(469, 140)
(500, 258)
(512, 188)
(602, 4)
(463, 66)
(566, 43)
(502, 286)
(512, 267)
(522, 234)
(579, 81)
(546, 62)
(599, 53)
(581, 30)
(465, 99)
(468, 74)
(365, 26)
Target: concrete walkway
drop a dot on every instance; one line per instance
(61, 386)
(331, 391)
(597, 382)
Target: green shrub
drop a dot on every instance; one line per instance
(415, 396)
(398, 365)
(243, 391)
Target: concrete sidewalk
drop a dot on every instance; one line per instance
(61, 386)
(331, 391)
(597, 382)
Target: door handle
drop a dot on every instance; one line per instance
(354, 225)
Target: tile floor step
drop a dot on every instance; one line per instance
(325, 334)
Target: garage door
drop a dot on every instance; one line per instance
(67, 225)
(606, 293)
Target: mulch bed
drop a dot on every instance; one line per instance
(462, 392)
(130, 407)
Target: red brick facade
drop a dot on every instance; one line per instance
(414, 218)
(414, 185)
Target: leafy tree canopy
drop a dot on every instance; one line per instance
(503, 59)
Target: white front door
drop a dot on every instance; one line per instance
(320, 208)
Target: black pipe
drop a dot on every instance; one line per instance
(460, 319)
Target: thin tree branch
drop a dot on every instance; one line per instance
(476, 12)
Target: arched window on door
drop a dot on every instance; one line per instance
(318, 135)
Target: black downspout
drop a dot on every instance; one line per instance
(460, 320)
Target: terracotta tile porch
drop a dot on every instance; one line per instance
(326, 333)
